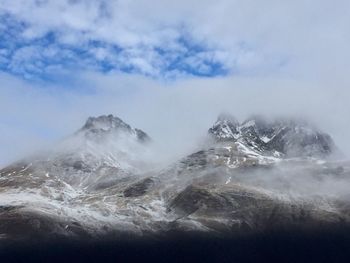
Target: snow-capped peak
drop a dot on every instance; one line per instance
(289, 137)
(97, 127)
(103, 144)
(105, 122)
(225, 127)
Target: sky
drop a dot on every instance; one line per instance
(169, 67)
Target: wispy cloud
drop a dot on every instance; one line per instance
(170, 39)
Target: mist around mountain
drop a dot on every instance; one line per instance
(107, 181)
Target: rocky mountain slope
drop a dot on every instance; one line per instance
(102, 181)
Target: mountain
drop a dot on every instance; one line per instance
(283, 137)
(103, 126)
(249, 177)
(104, 149)
(51, 185)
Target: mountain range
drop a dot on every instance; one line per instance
(104, 180)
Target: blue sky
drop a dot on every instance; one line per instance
(47, 58)
(177, 63)
(40, 40)
(43, 57)
(48, 39)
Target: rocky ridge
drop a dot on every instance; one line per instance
(283, 137)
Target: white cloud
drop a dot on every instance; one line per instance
(291, 57)
(176, 114)
(307, 34)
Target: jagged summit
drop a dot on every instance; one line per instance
(283, 136)
(105, 122)
(226, 127)
(109, 124)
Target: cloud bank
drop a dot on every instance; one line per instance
(175, 114)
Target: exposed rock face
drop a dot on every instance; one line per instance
(22, 223)
(241, 209)
(97, 183)
(141, 187)
(292, 138)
